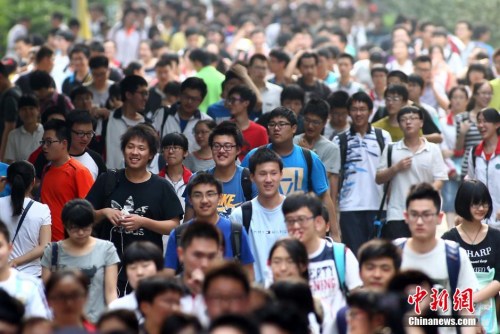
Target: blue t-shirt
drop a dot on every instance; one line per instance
(295, 172)
(3, 172)
(224, 225)
(218, 112)
(232, 193)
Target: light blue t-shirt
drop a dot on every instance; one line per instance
(3, 172)
(295, 173)
(224, 225)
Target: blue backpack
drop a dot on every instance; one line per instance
(339, 250)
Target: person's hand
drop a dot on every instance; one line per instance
(195, 280)
(13, 263)
(3, 183)
(403, 164)
(465, 126)
(113, 215)
(498, 215)
(131, 222)
(304, 143)
(239, 70)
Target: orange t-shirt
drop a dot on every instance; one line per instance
(61, 184)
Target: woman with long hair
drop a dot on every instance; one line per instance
(288, 260)
(201, 159)
(28, 221)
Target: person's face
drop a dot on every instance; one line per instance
(475, 77)
(422, 218)
(201, 134)
(400, 35)
(301, 225)
(137, 100)
(46, 64)
(204, 199)
(79, 62)
(163, 306)
(486, 129)
(323, 64)
(267, 178)
(44, 93)
(83, 101)
(5, 249)
(81, 135)
(394, 81)
(275, 65)
(236, 105)
(145, 52)
(360, 113)
(414, 91)
(79, 235)
(100, 76)
(271, 329)
(224, 150)
(358, 321)
(29, 114)
(226, 330)
(338, 116)
(163, 74)
(199, 255)
(109, 50)
(112, 325)
(53, 148)
(484, 95)
(313, 125)
(258, 70)
(376, 273)
(462, 31)
(22, 49)
(345, 66)
(293, 105)
(225, 295)
(193, 41)
(229, 85)
(282, 265)
(458, 101)
(410, 124)
(394, 103)
(478, 211)
(281, 130)
(137, 154)
(400, 50)
(379, 79)
(497, 63)
(67, 299)
(424, 69)
(308, 68)
(138, 270)
(8, 328)
(428, 31)
(190, 100)
(437, 56)
(174, 154)
(440, 40)
(258, 39)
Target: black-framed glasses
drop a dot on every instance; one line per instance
(189, 98)
(280, 125)
(227, 147)
(313, 122)
(300, 220)
(81, 134)
(48, 142)
(233, 100)
(143, 93)
(175, 148)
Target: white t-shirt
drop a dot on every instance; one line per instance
(427, 166)
(29, 291)
(27, 238)
(127, 302)
(195, 305)
(324, 281)
(271, 95)
(266, 226)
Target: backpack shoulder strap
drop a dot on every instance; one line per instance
(473, 155)
(21, 220)
(246, 184)
(389, 155)
(246, 213)
(55, 256)
(380, 139)
(178, 233)
(236, 236)
(343, 157)
(453, 263)
(309, 163)
(339, 251)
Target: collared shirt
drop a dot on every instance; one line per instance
(21, 143)
(271, 95)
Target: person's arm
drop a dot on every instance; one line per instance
(441, 100)
(110, 282)
(189, 214)
(37, 252)
(113, 215)
(464, 128)
(489, 291)
(45, 274)
(133, 222)
(334, 224)
(242, 73)
(292, 65)
(333, 179)
(250, 273)
(8, 127)
(387, 174)
(438, 184)
(436, 138)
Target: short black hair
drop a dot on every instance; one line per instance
(360, 97)
(263, 155)
(318, 107)
(77, 213)
(12, 309)
(397, 90)
(292, 92)
(126, 317)
(203, 178)
(422, 59)
(200, 230)
(176, 323)
(280, 55)
(79, 116)
(151, 287)
(227, 128)
(284, 316)
(195, 83)
(172, 88)
(307, 55)
(98, 62)
(398, 74)
(246, 94)
(40, 79)
(60, 128)
(338, 99)
(299, 199)
(379, 248)
(410, 110)
(346, 56)
(162, 62)
(78, 91)
(42, 53)
(144, 132)
(130, 84)
(416, 79)
(227, 270)
(257, 56)
(175, 138)
(96, 46)
(242, 324)
(367, 301)
(284, 112)
(424, 191)
(143, 251)
(50, 111)
(79, 48)
(200, 55)
(28, 100)
(377, 69)
(59, 275)
(472, 192)
(295, 293)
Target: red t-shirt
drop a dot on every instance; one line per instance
(254, 136)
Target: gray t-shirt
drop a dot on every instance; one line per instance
(92, 264)
(195, 164)
(328, 152)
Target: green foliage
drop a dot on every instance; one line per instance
(448, 12)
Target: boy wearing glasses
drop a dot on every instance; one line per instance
(303, 219)
(413, 160)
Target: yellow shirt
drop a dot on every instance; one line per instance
(495, 100)
(395, 131)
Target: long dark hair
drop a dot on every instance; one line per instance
(297, 252)
(20, 176)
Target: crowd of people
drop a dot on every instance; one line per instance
(240, 169)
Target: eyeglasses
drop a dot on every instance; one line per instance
(199, 196)
(143, 93)
(219, 299)
(280, 125)
(426, 216)
(78, 229)
(175, 148)
(81, 134)
(48, 142)
(67, 297)
(301, 221)
(189, 98)
(201, 132)
(409, 119)
(312, 122)
(233, 100)
(480, 205)
(393, 98)
(485, 93)
(227, 147)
